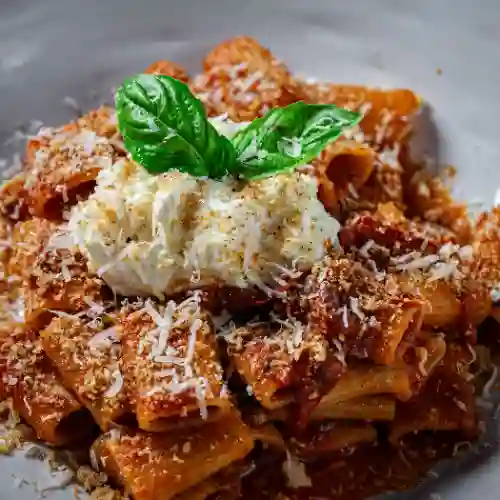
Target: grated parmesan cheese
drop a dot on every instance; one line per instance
(486, 392)
(116, 386)
(103, 338)
(418, 263)
(180, 372)
(295, 472)
(354, 304)
(345, 316)
(390, 157)
(450, 262)
(225, 126)
(364, 250)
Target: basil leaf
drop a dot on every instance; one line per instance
(165, 127)
(287, 137)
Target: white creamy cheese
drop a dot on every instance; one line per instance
(153, 235)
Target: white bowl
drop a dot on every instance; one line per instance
(60, 48)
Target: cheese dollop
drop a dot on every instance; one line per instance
(157, 235)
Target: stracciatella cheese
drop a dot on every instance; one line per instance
(155, 235)
(247, 236)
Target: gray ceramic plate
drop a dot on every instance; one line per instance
(58, 48)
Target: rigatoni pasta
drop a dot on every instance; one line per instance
(60, 281)
(37, 392)
(88, 358)
(387, 114)
(244, 80)
(159, 466)
(170, 357)
(342, 169)
(357, 408)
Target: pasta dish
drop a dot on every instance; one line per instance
(242, 285)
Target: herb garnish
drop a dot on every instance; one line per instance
(164, 127)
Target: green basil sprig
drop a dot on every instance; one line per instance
(164, 127)
(287, 137)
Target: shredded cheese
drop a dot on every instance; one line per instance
(116, 386)
(450, 262)
(225, 126)
(295, 472)
(103, 338)
(180, 372)
(486, 392)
